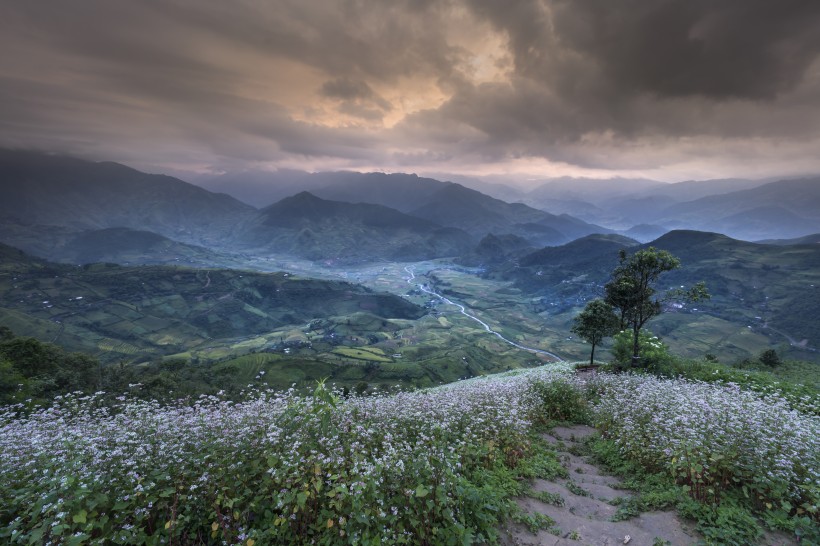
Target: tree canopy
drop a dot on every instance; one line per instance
(631, 290)
(596, 322)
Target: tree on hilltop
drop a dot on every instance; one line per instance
(631, 291)
(597, 321)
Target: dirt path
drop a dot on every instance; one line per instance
(586, 513)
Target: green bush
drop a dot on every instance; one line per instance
(558, 400)
(653, 352)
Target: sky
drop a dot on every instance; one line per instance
(524, 89)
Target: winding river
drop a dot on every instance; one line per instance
(423, 288)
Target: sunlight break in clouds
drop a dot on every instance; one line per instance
(670, 89)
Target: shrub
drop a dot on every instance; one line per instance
(654, 353)
(557, 399)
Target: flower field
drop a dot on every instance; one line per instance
(714, 438)
(278, 468)
(423, 467)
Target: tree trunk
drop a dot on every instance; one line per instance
(636, 348)
(592, 356)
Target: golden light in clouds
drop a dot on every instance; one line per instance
(481, 56)
(524, 87)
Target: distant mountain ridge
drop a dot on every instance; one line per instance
(782, 209)
(742, 208)
(49, 200)
(773, 290)
(370, 216)
(445, 203)
(317, 229)
(43, 189)
(479, 214)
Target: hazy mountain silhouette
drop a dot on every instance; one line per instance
(403, 192)
(319, 229)
(56, 190)
(783, 209)
(258, 188)
(479, 214)
(444, 203)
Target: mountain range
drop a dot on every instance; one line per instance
(317, 229)
(744, 209)
(445, 203)
(767, 288)
(80, 212)
(53, 205)
(77, 195)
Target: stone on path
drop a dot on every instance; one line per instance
(585, 519)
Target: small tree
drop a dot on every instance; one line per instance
(770, 358)
(631, 290)
(596, 321)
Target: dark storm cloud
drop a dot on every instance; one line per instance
(721, 49)
(588, 74)
(726, 49)
(592, 83)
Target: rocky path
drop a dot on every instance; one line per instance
(582, 511)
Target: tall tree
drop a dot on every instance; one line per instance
(597, 321)
(631, 290)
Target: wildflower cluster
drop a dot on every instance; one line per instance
(279, 467)
(715, 438)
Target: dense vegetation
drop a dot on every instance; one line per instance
(770, 291)
(428, 467)
(31, 370)
(135, 314)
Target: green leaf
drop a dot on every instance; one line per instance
(422, 491)
(80, 517)
(77, 540)
(301, 499)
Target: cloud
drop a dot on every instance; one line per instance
(753, 49)
(660, 86)
(357, 98)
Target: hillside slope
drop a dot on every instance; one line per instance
(766, 290)
(42, 189)
(480, 214)
(317, 229)
(132, 313)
